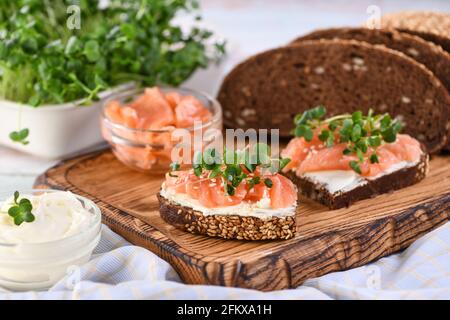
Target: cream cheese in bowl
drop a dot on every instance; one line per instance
(63, 234)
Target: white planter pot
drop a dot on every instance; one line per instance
(56, 131)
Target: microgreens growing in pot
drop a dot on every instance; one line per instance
(363, 134)
(235, 166)
(42, 61)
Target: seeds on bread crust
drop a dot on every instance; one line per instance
(226, 226)
(429, 25)
(425, 52)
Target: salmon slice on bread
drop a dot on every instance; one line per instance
(343, 159)
(238, 200)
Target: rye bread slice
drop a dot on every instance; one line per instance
(396, 180)
(429, 25)
(269, 89)
(429, 54)
(226, 226)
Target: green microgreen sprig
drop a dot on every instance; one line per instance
(360, 132)
(21, 210)
(229, 166)
(20, 136)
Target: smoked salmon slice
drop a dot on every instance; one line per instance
(153, 110)
(210, 192)
(189, 110)
(315, 156)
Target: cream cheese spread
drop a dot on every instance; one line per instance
(345, 180)
(58, 215)
(261, 209)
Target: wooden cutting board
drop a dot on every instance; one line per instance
(326, 241)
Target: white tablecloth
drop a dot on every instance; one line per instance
(119, 270)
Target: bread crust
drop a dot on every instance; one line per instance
(429, 54)
(226, 226)
(429, 25)
(396, 180)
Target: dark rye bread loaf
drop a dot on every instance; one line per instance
(226, 226)
(396, 180)
(429, 54)
(269, 89)
(429, 25)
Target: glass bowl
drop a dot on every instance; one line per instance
(150, 150)
(38, 266)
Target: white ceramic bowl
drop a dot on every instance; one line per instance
(56, 131)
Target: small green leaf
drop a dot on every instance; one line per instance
(309, 135)
(300, 130)
(214, 173)
(284, 162)
(397, 127)
(318, 112)
(231, 190)
(18, 220)
(332, 125)
(302, 119)
(21, 212)
(360, 155)
(25, 205)
(30, 45)
(330, 141)
(92, 50)
(355, 166)
(374, 158)
(73, 45)
(16, 196)
(29, 217)
(174, 166)
(324, 134)
(374, 141)
(356, 133)
(357, 116)
(389, 135)
(268, 183)
(385, 122)
(198, 170)
(254, 181)
(14, 211)
(34, 101)
(20, 136)
(362, 145)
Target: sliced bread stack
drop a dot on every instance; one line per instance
(431, 26)
(429, 54)
(344, 70)
(434, 27)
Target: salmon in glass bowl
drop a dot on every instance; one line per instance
(139, 124)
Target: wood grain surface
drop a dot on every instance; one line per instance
(326, 241)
